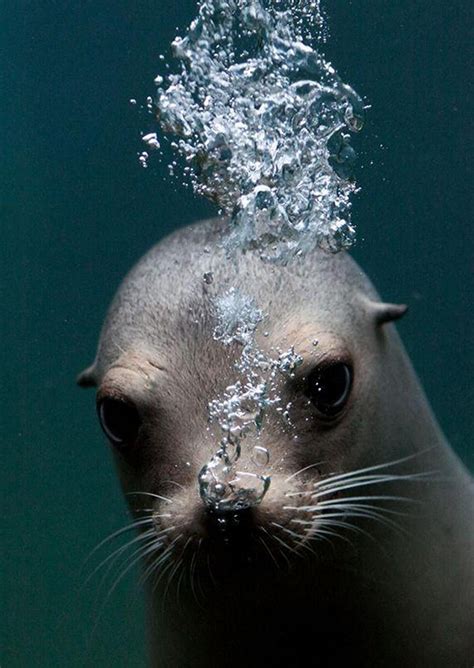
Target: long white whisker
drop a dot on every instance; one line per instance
(162, 559)
(346, 499)
(344, 525)
(300, 539)
(285, 545)
(369, 514)
(377, 467)
(364, 481)
(129, 527)
(331, 502)
(119, 550)
(368, 506)
(270, 535)
(171, 575)
(317, 533)
(148, 571)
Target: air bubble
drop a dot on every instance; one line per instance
(151, 140)
(263, 122)
(261, 456)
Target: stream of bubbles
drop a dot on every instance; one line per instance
(263, 124)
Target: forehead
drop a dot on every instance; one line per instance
(166, 304)
(180, 334)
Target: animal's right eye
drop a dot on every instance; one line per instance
(119, 420)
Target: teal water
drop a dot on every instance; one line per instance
(77, 211)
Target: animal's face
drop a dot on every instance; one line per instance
(159, 367)
(153, 407)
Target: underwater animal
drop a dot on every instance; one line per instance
(362, 550)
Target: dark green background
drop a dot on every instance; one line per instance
(77, 211)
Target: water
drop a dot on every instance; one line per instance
(77, 211)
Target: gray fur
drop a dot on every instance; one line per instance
(402, 598)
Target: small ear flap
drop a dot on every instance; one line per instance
(388, 312)
(87, 378)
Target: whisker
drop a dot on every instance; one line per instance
(300, 539)
(178, 587)
(173, 482)
(171, 575)
(162, 559)
(306, 468)
(155, 496)
(366, 480)
(192, 571)
(211, 575)
(369, 515)
(148, 571)
(272, 556)
(330, 502)
(346, 525)
(377, 467)
(317, 532)
(270, 535)
(143, 551)
(119, 550)
(285, 545)
(129, 527)
(163, 571)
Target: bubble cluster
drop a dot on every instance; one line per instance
(264, 122)
(241, 410)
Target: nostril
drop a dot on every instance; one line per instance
(231, 523)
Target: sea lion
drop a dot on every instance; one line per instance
(362, 550)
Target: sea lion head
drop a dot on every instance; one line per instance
(158, 367)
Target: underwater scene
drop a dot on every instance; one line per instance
(313, 128)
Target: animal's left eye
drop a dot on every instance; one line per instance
(328, 387)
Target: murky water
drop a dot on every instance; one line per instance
(78, 211)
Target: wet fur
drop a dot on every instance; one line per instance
(395, 592)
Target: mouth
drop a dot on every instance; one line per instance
(255, 543)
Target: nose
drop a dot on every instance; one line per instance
(230, 525)
(228, 492)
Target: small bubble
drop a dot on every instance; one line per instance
(219, 489)
(208, 277)
(151, 140)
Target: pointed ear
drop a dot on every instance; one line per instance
(87, 377)
(383, 312)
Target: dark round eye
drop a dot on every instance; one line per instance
(119, 420)
(328, 388)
